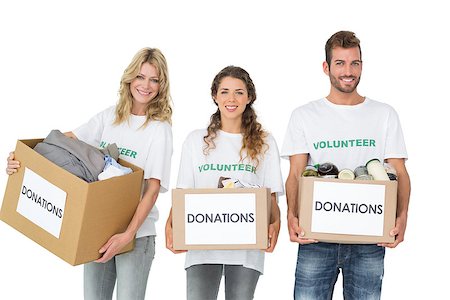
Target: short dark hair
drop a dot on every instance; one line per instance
(344, 39)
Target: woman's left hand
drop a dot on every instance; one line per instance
(274, 230)
(113, 246)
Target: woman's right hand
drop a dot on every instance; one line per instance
(169, 235)
(12, 165)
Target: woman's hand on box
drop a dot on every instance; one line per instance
(169, 235)
(274, 226)
(113, 246)
(12, 165)
(274, 230)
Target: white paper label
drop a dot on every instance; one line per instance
(344, 208)
(42, 202)
(220, 219)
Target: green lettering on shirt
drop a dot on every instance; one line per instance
(122, 151)
(344, 143)
(227, 167)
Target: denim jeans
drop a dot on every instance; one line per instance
(318, 266)
(203, 282)
(131, 270)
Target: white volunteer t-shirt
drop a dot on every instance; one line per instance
(346, 135)
(149, 148)
(203, 171)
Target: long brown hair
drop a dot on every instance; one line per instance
(253, 134)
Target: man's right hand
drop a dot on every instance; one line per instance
(296, 233)
(12, 165)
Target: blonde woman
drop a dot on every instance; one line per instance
(233, 137)
(140, 125)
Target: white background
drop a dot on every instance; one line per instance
(61, 62)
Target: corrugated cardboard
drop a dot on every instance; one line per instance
(93, 211)
(263, 208)
(306, 206)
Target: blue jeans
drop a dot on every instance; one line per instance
(131, 270)
(203, 282)
(318, 266)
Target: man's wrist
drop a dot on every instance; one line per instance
(291, 215)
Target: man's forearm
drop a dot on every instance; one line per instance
(292, 186)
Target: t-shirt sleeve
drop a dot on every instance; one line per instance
(159, 158)
(294, 139)
(91, 132)
(272, 175)
(395, 143)
(185, 172)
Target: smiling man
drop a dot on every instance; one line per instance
(348, 130)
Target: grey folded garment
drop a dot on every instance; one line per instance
(75, 156)
(111, 150)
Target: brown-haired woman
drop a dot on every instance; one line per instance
(237, 146)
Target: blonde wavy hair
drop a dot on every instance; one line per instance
(253, 140)
(159, 108)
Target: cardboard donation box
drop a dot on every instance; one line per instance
(347, 211)
(63, 213)
(234, 218)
